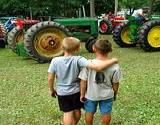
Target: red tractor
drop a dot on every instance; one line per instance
(108, 22)
(16, 35)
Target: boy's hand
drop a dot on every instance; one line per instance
(115, 60)
(115, 96)
(82, 99)
(53, 93)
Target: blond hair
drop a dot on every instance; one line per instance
(70, 44)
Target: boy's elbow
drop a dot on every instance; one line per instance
(94, 67)
(50, 80)
(97, 68)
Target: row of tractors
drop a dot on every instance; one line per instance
(42, 40)
(141, 31)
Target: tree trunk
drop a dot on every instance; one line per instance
(151, 5)
(92, 8)
(116, 7)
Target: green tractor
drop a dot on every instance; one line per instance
(140, 31)
(43, 40)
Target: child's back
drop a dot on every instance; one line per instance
(67, 69)
(99, 85)
(99, 88)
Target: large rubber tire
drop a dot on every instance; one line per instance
(105, 26)
(89, 44)
(15, 36)
(43, 41)
(149, 36)
(2, 43)
(3, 33)
(121, 36)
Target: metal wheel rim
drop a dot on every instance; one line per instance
(154, 37)
(48, 42)
(125, 35)
(104, 26)
(19, 37)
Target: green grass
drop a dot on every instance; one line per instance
(25, 100)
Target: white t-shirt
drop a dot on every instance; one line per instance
(99, 84)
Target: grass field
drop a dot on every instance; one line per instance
(24, 97)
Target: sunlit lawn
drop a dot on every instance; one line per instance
(24, 97)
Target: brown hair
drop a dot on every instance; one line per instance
(70, 44)
(103, 45)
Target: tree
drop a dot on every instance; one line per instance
(133, 4)
(116, 7)
(154, 6)
(56, 8)
(92, 8)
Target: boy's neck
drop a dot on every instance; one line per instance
(68, 54)
(101, 56)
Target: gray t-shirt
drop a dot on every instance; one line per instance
(67, 69)
(99, 85)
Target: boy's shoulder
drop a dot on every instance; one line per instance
(66, 58)
(57, 58)
(113, 68)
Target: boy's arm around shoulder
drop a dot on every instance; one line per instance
(102, 65)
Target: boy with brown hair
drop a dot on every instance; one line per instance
(99, 87)
(66, 70)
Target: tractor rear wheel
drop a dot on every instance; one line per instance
(3, 33)
(89, 44)
(2, 43)
(121, 36)
(43, 41)
(149, 36)
(105, 26)
(15, 36)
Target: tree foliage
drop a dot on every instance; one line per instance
(133, 4)
(155, 6)
(59, 8)
(64, 8)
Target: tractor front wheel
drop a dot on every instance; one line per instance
(105, 26)
(121, 36)
(89, 44)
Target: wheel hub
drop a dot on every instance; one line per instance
(153, 37)
(104, 26)
(52, 43)
(125, 35)
(48, 42)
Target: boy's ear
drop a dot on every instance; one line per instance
(78, 48)
(94, 48)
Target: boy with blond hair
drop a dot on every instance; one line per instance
(99, 87)
(66, 70)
